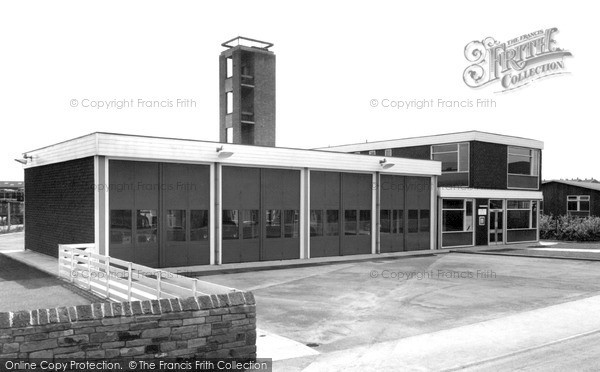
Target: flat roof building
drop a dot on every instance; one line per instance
(489, 191)
(166, 202)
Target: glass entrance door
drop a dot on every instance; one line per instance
(496, 224)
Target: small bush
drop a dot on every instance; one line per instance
(570, 228)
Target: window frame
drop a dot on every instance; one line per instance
(458, 153)
(534, 168)
(529, 208)
(578, 200)
(464, 210)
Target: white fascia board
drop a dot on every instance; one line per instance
(459, 192)
(439, 139)
(119, 146)
(76, 148)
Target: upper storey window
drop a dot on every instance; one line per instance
(523, 168)
(454, 157)
(455, 163)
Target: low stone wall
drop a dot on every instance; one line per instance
(215, 326)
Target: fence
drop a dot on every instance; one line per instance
(120, 280)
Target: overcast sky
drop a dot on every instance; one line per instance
(333, 58)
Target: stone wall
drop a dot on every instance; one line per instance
(215, 326)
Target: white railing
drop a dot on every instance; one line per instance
(120, 280)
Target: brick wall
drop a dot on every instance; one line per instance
(489, 165)
(59, 205)
(215, 326)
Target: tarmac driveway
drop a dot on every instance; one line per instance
(345, 305)
(25, 288)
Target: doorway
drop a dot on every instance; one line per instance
(496, 222)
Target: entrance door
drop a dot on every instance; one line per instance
(496, 225)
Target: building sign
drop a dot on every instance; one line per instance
(516, 62)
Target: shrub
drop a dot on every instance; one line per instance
(570, 228)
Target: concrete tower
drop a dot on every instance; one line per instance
(247, 92)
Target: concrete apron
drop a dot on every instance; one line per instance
(465, 346)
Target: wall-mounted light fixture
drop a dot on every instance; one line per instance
(384, 164)
(25, 159)
(222, 153)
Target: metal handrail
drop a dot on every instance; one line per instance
(120, 280)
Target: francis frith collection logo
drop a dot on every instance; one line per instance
(514, 63)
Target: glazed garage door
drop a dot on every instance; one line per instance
(281, 214)
(241, 214)
(185, 190)
(392, 214)
(324, 214)
(418, 209)
(261, 214)
(357, 196)
(133, 204)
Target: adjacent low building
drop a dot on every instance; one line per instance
(572, 198)
(489, 191)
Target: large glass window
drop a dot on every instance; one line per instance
(120, 226)
(231, 224)
(199, 224)
(176, 225)
(523, 161)
(457, 215)
(273, 223)
(454, 157)
(518, 214)
(147, 223)
(332, 228)
(291, 220)
(578, 204)
(250, 224)
(316, 222)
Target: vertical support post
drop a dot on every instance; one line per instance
(375, 212)
(195, 287)
(129, 271)
(377, 219)
(218, 180)
(433, 213)
(72, 264)
(305, 213)
(158, 284)
(60, 258)
(107, 272)
(8, 207)
(89, 268)
(212, 236)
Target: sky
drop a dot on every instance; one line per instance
(333, 60)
